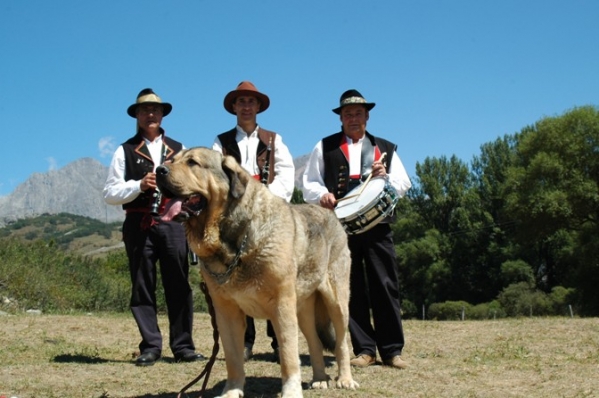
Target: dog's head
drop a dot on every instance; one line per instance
(200, 179)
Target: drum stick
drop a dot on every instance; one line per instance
(364, 184)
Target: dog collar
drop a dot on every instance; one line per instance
(221, 277)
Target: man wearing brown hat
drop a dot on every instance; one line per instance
(339, 163)
(148, 240)
(264, 155)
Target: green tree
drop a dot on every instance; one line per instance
(552, 188)
(447, 254)
(297, 197)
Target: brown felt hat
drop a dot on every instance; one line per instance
(148, 96)
(353, 97)
(246, 88)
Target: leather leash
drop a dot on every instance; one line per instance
(208, 367)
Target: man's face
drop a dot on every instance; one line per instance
(354, 118)
(149, 116)
(246, 107)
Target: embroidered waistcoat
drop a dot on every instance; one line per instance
(138, 162)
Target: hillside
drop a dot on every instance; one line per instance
(73, 233)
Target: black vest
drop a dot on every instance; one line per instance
(138, 162)
(336, 165)
(231, 148)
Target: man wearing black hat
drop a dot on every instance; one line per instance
(131, 183)
(339, 163)
(263, 154)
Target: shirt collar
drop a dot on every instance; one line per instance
(241, 132)
(351, 141)
(157, 141)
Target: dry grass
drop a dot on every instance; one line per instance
(91, 356)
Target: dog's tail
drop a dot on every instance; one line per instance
(324, 326)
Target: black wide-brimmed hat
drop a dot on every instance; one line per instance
(353, 97)
(246, 88)
(148, 96)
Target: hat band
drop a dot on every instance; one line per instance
(149, 98)
(353, 100)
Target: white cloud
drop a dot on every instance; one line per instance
(106, 146)
(52, 163)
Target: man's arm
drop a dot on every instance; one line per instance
(313, 186)
(284, 169)
(117, 191)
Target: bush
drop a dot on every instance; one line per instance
(449, 310)
(39, 275)
(561, 298)
(483, 311)
(408, 310)
(521, 299)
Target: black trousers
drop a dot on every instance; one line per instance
(250, 333)
(374, 287)
(163, 243)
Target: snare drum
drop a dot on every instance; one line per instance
(366, 205)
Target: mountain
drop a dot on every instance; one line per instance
(300, 165)
(75, 189)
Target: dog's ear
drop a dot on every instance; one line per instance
(236, 178)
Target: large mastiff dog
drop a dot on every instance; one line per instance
(265, 258)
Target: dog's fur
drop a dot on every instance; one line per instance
(293, 265)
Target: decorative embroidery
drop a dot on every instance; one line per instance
(353, 100)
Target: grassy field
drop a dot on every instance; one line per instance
(91, 356)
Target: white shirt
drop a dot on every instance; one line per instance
(117, 191)
(313, 186)
(284, 169)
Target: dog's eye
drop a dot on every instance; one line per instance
(192, 162)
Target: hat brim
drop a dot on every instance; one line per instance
(367, 105)
(166, 108)
(233, 95)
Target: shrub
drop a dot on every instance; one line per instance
(40, 275)
(408, 309)
(521, 299)
(483, 311)
(449, 310)
(560, 298)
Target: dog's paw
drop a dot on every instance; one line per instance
(234, 393)
(292, 388)
(347, 383)
(320, 384)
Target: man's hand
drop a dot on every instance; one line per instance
(378, 169)
(328, 201)
(149, 181)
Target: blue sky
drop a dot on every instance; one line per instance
(447, 75)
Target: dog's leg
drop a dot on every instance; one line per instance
(337, 303)
(231, 326)
(284, 321)
(307, 323)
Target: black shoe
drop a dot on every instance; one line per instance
(147, 359)
(189, 357)
(247, 353)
